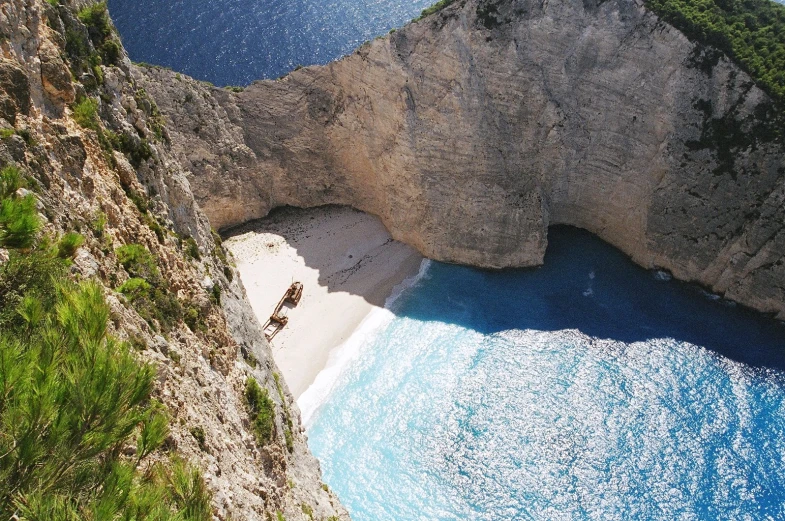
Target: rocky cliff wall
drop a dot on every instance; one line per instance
(114, 177)
(470, 131)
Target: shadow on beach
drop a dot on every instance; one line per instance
(585, 284)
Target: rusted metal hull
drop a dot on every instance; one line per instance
(277, 322)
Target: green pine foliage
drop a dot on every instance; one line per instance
(262, 410)
(26, 274)
(192, 249)
(751, 32)
(71, 398)
(11, 180)
(19, 222)
(139, 262)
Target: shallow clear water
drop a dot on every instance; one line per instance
(234, 42)
(587, 389)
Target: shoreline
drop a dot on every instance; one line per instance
(341, 355)
(349, 266)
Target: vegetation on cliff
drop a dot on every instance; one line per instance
(262, 411)
(751, 32)
(435, 8)
(76, 415)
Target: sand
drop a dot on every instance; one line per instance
(348, 264)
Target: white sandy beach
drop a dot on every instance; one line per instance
(348, 264)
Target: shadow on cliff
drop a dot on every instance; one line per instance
(588, 285)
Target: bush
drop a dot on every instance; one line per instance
(111, 52)
(192, 249)
(136, 149)
(11, 180)
(139, 262)
(262, 411)
(153, 303)
(86, 113)
(146, 289)
(193, 319)
(72, 396)
(200, 437)
(135, 288)
(76, 46)
(139, 200)
(26, 135)
(96, 18)
(69, 243)
(28, 274)
(215, 294)
(19, 222)
(98, 225)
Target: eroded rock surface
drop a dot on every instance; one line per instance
(471, 131)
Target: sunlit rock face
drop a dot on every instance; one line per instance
(471, 131)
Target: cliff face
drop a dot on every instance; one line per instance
(471, 131)
(110, 173)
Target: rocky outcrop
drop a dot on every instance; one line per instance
(471, 131)
(112, 176)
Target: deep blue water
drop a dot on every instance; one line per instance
(234, 42)
(586, 389)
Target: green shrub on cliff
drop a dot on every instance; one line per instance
(138, 262)
(435, 8)
(11, 180)
(19, 222)
(146, 290)
(96, 18)
(86, 113)
(751, 32)
(262, 411)
(68, 244)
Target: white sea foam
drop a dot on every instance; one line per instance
(344, 354)
(662, 276)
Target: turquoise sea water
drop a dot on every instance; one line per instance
(586, 389)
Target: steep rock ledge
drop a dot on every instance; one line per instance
(82, 184)
(471, 131)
